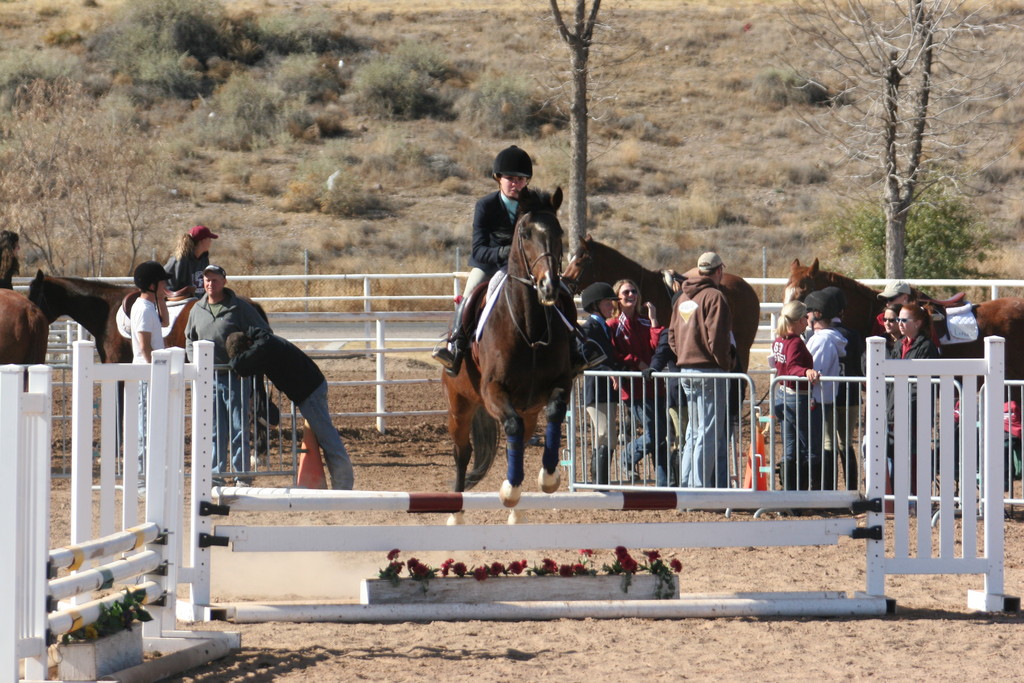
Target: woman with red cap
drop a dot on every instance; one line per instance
(191, 256)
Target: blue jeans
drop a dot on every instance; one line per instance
(705, 457)
(318, 415)
(650, 414)
(801, 441)
(231, 401)
(143, 401)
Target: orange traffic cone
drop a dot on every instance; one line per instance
(311, 461)
(756, 464)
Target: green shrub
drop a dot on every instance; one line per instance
(945, 238)
(307, 76)
(245, 114)
(21, 67)
(317, 32)
(783, 87)
(403, 85)
(502, 105)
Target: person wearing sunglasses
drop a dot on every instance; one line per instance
(890, 315)
(897, 292)
(634, 338)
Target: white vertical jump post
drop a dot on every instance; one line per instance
(912, 553)
(25, 422)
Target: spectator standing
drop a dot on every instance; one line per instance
(598, 301)
(634, 338)
(848, 398)
(700, 333)
(257, 351)
(792, 403)
(890, 318)
(215, 316)
(148, 318)
(916, 343)
(191, 256)
(897, 292)
(827, 347)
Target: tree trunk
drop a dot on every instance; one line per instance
(578, 120)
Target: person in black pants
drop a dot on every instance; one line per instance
(599, 393)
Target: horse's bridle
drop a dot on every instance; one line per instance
(530, 281)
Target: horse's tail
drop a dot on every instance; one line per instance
(484, 436)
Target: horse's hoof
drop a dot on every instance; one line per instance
(510, 494)
(457, 518)
(517, 516)
(549, 483)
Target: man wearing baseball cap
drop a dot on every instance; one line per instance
(896, 292)
(700, 334)
(191, 255)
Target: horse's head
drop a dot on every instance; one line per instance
(579, 261)
(37, 295)
(802, 281)
(536, 255)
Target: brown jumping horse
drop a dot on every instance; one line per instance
(23, 330)
(520, 365)
(93, 305)
(594, 262)
(999, 317)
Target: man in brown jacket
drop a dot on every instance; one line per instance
(700, 334)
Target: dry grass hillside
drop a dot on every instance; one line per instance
(689, 152)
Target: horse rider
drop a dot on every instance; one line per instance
(494, 220)
(191, 256)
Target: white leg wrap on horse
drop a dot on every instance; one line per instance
(457, 518)
(517, 516)
(549, 483)
(509, 494)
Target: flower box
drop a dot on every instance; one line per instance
(92, 659)
(519, 588)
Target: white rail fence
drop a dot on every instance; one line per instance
(110, 550)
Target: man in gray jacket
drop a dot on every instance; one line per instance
(215, 316)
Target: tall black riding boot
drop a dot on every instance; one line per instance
(602, 462)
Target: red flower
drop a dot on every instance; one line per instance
(497, 569)
(587, 552)
(412, 563)
(579, 569)
(460, 569)
(393, 554)
(517, 567)
(480, 573)
(652, 555)
(620, 550)
(565, 570)
(629, 565)
(420, 570)
(446, 565)
(676, 565)
(549, 565)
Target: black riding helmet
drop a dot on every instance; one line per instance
(512, 161)
(821, 302)
(148, 274)
(595, 293)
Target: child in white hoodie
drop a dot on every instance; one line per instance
(827, 346)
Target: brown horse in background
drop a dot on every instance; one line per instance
(999, 317)
(520, 365)
(24, 330)
(597, 262)
(93, 305)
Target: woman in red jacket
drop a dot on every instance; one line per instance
(634, 338)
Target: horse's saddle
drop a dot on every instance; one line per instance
(958, 318)
(123, 318)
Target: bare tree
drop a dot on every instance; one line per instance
(915, 94)
(77, 180)
(579, 41)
